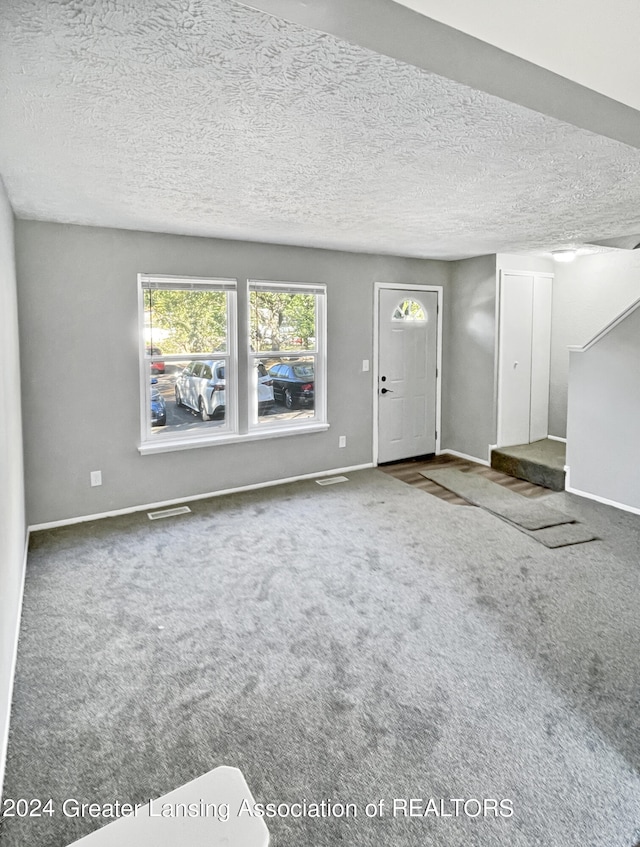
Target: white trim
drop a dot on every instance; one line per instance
(144, 387)
(255, 430)
(499, 344)
(556, 438)
(168, 445)
(438, 289)
(546, 274)
(573, 348)
(4, 731)
(464, 456)
(236, 428)
(439, 348)
(168, 281)
(496, 361)
(233, 354)
(633, 509)
(318, 288)
(161, 504)
(230, 356)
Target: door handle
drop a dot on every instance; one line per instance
(386, 391)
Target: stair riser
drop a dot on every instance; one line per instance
(530, 471)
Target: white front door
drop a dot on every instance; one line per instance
(407, 359)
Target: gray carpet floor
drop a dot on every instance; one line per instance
(357, 642)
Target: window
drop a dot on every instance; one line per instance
(192, 372)
(286, 331)
(409, 310)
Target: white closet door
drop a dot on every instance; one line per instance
(516, 323)
(524, 357)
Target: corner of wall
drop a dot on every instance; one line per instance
(10, 672)
(12, 509)
(468, 415)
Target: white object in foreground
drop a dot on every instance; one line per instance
(202, 813)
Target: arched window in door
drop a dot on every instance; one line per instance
(409, 310)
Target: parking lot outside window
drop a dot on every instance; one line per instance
(287, 355)
(188, 358)
(189, 362)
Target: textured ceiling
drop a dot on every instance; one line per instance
(208, 118)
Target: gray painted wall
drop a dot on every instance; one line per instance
(587, 295)
(469, 358)
(12, 520)
(78, 323)
(603, 448)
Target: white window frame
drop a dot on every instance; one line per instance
(235, 429)
(319, 354)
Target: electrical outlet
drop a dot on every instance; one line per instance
(96, 478)
(342, 441)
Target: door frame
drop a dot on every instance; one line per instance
(500, 336)
(399, 286)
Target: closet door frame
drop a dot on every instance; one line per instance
(535, 329)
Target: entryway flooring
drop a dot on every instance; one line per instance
(409, 471)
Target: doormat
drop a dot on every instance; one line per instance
(563, 535)
(547, 525)
(523, 511)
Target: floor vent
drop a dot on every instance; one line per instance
(331, 480)
(168, 513)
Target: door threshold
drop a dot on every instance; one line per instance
(424, 458)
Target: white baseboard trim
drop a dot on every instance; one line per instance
(623, 506)
(161, 504)
(4, 731)
(465, 456)
(556, 438)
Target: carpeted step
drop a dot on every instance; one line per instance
(539, 463)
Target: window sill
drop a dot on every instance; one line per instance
(169, 445)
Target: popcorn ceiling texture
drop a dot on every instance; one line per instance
(204, 117)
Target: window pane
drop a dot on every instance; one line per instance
(287, 391)
(281, 321)
(185, 321)
(409, 310)
(183, 402)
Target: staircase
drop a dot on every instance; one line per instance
(541, 462)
